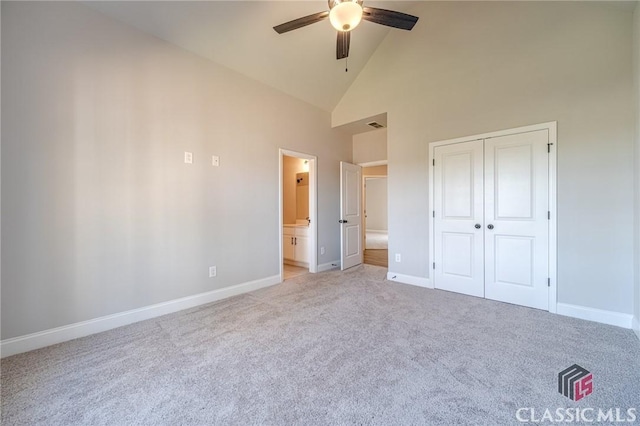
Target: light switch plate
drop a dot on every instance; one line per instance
(215, 160)
(188, 157)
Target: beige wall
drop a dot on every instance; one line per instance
(474, 67)
(374, 171)
(376, 204)
(370, 146)
(100, 214)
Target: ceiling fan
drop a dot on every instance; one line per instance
(345, 15)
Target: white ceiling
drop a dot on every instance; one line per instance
(240, 36)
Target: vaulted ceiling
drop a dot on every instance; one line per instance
(240, 36)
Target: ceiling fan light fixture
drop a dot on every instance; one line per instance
(346, 15)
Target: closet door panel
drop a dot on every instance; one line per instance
(458, 197)
(517, 227)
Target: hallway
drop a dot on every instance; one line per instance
(377, 257)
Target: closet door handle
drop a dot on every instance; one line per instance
(478, 226)
(490, 226)
(295, 241)
(291, 240)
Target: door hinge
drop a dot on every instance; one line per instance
(434, 265)
(548, 214)
(548, 282)
(434, 214)
(434, 162)
(549, 147)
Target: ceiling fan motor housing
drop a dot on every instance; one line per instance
(335, 2)
(345, 15)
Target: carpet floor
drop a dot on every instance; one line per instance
(330, 348)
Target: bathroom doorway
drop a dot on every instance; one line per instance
(298, 214)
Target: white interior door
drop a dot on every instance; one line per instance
(516, 216)
(491, 218)
(350, 220)
(458, 233)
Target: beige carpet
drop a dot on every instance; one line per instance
(331, 348)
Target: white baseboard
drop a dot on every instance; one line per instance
(597, 315)
(377, 231)
(635, 324)
(329, 266)
(56, 335)
(409, 279)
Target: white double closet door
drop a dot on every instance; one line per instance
(491, 227)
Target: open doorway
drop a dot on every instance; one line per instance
(370, 152)
(298, 217)
(376, 234)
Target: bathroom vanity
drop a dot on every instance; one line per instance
(295, 244)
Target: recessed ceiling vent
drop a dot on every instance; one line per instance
(375, 125)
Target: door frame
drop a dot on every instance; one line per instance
(313, 207)
(551, 127)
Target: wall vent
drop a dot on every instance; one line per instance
(375, 125)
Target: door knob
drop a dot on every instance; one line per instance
(490, 226)
(342, 221)
(478, 226)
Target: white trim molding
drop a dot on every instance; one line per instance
(598, 315)
(409, 279)
(56, 335)
(329, 266)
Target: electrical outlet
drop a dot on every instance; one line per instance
(321, 250)
(398, 258)
(213, 271)
(215, 160)
(188, 157)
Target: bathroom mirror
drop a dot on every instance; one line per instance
(302, 195)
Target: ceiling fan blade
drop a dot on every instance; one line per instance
(342, 46)
(301, 22)
(389, 18)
